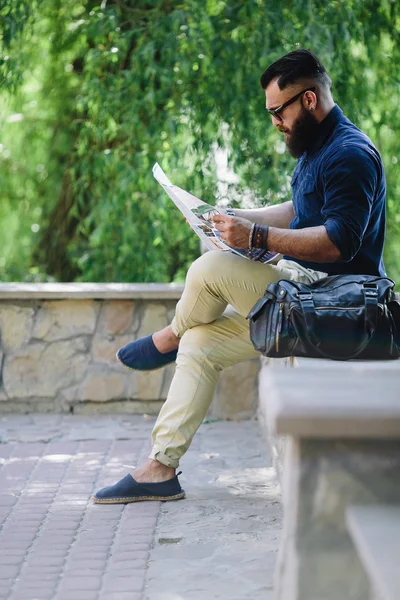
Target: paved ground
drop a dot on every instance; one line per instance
(218, 543)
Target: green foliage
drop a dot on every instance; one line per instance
(109, 88)
(14, 16)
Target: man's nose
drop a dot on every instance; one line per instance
(275, 121)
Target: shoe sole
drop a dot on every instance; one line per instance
(136, 499)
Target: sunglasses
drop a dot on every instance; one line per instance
(275, 111)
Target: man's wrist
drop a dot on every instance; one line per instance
(259, 236)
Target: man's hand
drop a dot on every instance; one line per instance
(235, 231)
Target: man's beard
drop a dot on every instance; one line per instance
(304, 132)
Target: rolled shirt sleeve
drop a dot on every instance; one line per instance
(350, 181)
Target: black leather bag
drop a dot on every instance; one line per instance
(339, 317)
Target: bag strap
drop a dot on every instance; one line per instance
(370, 292)
(307, 306)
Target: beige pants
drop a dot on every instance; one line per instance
(211, 321)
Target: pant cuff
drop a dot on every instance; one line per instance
(164, 459)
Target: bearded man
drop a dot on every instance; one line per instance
(335, 223)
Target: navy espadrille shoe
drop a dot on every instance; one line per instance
(129, 490)
(142, 355)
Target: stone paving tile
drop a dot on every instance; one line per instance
(219, 543)
(56, 543)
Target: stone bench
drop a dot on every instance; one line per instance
(376, 534)
(58, 343)
(335, 431)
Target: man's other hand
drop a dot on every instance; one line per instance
(235, 231)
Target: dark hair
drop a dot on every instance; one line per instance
(300, 64)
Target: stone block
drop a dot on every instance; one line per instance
(16, 324)
(116, 317)
(68, 395)
(149, 384)
(153, 317)
(104, 348)
(42, 370)
(101, 385)
(62, 319)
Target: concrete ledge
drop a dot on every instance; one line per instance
(376, 533)
(358, 404)
(335, 430)
(316, 398)
(97, 291)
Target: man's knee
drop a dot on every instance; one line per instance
(199, 340)
(200, 345)
(208, 345)
(209, 265)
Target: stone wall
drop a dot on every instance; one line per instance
(58, 345)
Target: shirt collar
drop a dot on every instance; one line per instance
(325, 129)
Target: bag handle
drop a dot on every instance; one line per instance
(370, 292)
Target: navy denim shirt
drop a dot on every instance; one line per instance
(340, 183)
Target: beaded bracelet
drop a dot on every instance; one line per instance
(251, 236)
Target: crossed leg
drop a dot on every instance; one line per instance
(204, 351)
(213, 337)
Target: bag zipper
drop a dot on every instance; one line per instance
(336, 307)
(336, 277)
(279, 326)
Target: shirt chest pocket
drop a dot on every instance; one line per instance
(307, 201)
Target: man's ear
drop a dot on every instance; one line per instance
(310, 101)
